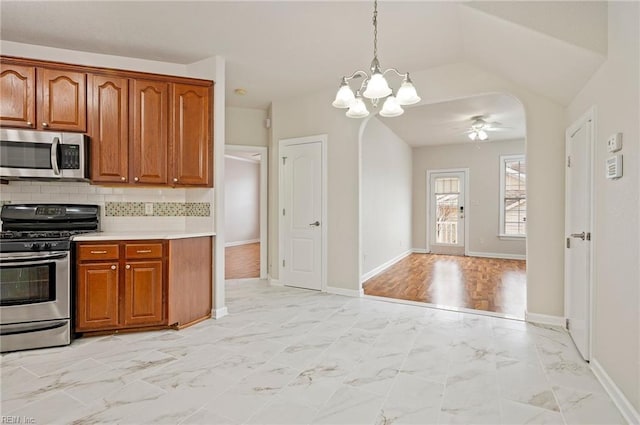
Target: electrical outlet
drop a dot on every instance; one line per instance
(148, 208)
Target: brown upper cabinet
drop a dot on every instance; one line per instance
(192, 148)
(109, 128)
(145, 129)
(149, 145)
(43, 98)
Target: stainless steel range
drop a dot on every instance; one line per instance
(35, 272)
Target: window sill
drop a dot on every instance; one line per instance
(512, 237)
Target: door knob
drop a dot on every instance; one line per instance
(113, 267)
(44, 124)
(135, 179)
(128, 266)
(315, 223)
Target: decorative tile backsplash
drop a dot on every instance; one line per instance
(160, 209)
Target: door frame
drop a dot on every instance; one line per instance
(264, 172)
(322, 139)
(589, 115)
(465, 171)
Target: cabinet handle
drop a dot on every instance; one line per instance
(175, 180)
(128, 266)
(123, 178)
(98, 252)
(44, 124)
(135, 179)
(143, 251)
(29, 124)
(113, 267)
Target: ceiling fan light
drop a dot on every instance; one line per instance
(473, 135)
(407, 94)
(482, 135)
(357, 109)
(391, 108)
(377, 87)
(344, 96)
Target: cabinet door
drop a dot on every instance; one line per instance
(18, 102)
(62, 100)
(150, 132)
(97, 296)
(109, 128)
(143, 293)
(192, 144)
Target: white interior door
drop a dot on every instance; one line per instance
(447, 212)
(301, 214)
(578, 236)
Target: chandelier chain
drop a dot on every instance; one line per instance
(375, 29)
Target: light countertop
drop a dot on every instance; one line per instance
(115, 236)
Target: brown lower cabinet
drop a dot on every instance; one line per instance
(124, 285)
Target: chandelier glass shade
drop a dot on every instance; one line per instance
(375, 87)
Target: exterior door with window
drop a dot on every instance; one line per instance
(447, 212)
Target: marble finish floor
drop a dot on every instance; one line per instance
(290, 356)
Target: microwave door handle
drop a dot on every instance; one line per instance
(54, 155)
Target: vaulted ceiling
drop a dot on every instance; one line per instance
(278, 50)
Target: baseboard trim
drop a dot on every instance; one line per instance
(544, 319)
(218, 313)
(274, 282)
(419, 251)
(623, 404)
(384, 266)
(497, 255)
(346, 292)
(237, 243)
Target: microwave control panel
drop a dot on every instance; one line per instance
(69, 157)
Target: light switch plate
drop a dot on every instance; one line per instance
(148, 208)
(614, 142)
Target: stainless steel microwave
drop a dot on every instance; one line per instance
(27, 154)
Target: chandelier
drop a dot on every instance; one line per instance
(375, 87)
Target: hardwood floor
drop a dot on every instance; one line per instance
(242, 261)
(487, 284)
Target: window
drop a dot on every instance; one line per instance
(513, 196)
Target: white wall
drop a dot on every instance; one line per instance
(313, 114)
(614, 91)
(483, 209)
(242, 201)
(246, 126)
(386, 196)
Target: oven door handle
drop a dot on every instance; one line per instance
(31, 260)
(28, 328)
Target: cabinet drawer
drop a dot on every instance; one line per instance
(143, 250)
(98, 252)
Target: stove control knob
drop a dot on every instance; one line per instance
(35, 247)
(46, 245)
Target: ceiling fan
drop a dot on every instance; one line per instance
(480, 127)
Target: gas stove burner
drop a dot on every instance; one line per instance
(45, 227)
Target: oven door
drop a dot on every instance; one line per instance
(34, 286)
